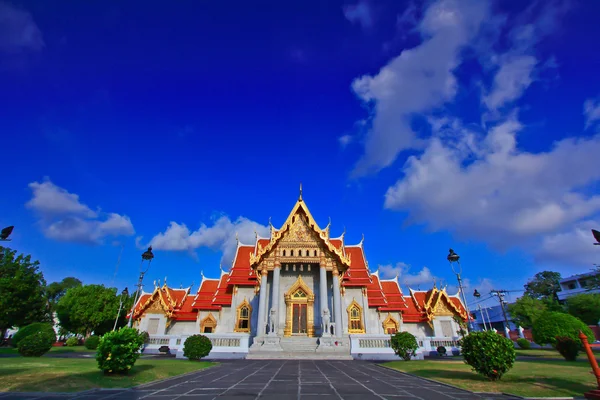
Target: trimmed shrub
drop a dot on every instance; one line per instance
(523, 343)
(119, 350)
(441, 350)
(552, 324)
(145, 336)
(404, 345)
(37, 344)
(567, 347)
(92, 342)
(30, 330)
(72, 341)
(488, 353)
(196, 347)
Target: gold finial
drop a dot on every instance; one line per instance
(270, 223)
(300, 198)
(237, 239)
(434, 285)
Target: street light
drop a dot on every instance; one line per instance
(5, 233)
(452, 259)
(124, 293)
(596, 236)
(146, 256)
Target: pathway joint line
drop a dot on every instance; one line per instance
(270, 380)
(328, 381)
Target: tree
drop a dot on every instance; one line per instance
(21, 290)
(586, 307)
(526, 310)
(594, 280)
(56, 290)
(83, 309)
(544, 285)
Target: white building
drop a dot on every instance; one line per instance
(576, 284)
(302, 292)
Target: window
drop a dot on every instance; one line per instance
(208, 324)
(447, 329)
(572, 286)
(299, 294)
(284, 253)
(153, 326)
(291, 253)
(390, 326)
(355, 323)
(243, 317)
(315, 253)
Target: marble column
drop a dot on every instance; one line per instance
(276, 274)
(337, 303)
(262, 300)
(323, 294)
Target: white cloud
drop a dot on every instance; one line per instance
(591, 110)
(345, 140)
(575, 244)
(484, 187)
(417, 81)
(513, 77)
(423, 277)
(219, 236)
(359, 13)
(18, 30)
(64, 218)
(50, 199)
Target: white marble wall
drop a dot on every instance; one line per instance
(183, 328)
(162, 323)
(420, 329)
(229, 316)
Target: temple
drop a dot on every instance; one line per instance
(299, 291)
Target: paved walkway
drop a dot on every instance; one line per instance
(282, 380)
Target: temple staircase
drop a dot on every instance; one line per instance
(298, 348)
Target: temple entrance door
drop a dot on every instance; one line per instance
(299, 319)
(299, 316)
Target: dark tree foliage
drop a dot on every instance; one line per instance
(544, 285)
(87, 308)
(56, 290)
(22, 285)
(586, 307)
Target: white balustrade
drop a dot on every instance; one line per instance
(225, 345)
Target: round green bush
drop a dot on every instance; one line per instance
(30, 330)
(524, 343)
(72, 341)
(37, 344)
(197, 346)
(488, 353)
(404, 345)
(567, 347)
(549, 325)
(119, 350)
(92, 342)
(441, 350)
(145, 336)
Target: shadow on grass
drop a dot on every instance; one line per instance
(560, 385)
(76, 382)
(11, 371)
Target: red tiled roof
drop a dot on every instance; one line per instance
(206, 293)
(375, 295)
(241, 273)
(337, 243)
(394, 296)
(264, 242)
(224, 293)
(357, 274)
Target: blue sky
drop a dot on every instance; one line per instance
(423, 125)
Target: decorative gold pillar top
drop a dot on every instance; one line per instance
(264, 272)
(335, 271)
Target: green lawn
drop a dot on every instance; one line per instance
(73, 375)
(526, 378)
(56, 350)
(550, 353)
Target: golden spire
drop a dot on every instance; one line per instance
(300, 197)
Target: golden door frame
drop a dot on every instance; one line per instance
(290, 300)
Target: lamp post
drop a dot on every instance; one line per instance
(146, 256)
(452, 259)
(124, 293)
(5, 233)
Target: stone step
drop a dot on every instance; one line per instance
(297, 356)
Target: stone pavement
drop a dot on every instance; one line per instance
(281, 380)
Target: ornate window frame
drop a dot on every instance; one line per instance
(208, 322)
(390, 323)
(239, 317)
(355, 322)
